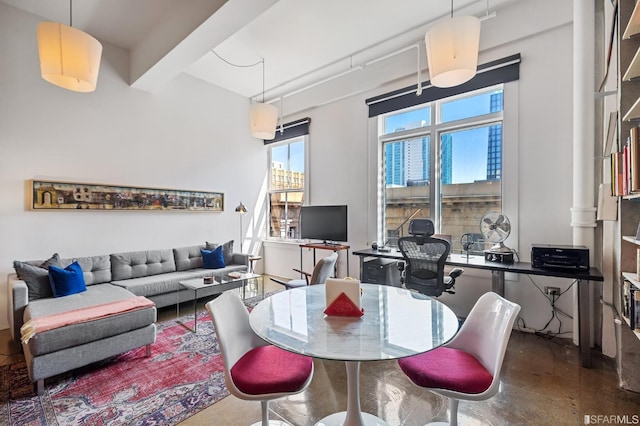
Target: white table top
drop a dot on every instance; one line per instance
(396, 323)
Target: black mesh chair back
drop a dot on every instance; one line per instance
(424, 264)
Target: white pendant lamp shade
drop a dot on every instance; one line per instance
(69, 58)
(264, 119)
(452, 50)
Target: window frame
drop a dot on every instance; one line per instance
(305, 192)
(509, 165)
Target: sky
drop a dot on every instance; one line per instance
(469, 146)
(279, 154)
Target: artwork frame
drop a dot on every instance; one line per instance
(61, 195)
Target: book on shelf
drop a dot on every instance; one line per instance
(625, 166)
(626, 169)
(611, 133)
(632, 307)
(634, 159)
(636, 311)
(607, 204)
(619, 176)
(626, 285)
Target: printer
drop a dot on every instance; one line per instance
(546, 256)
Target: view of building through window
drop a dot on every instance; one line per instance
(467, 176)
(286, 188)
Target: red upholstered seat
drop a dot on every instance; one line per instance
(268, 369)
(447, 368)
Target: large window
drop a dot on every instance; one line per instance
(286, 187)
(465, 180)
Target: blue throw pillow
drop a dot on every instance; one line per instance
(213, 259)
(69, 280)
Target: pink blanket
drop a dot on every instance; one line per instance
(76, 316)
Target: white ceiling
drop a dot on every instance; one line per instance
(301, 41)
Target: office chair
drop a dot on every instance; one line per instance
(322, 271)
(424, 255)
(253, 369)
(467, 367)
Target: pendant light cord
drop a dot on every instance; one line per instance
(237, 65)
(71, 13)
(261, 61)
(262, 80)
(452, 8)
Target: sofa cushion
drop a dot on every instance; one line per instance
(152, 285)
(77, 334)
(137, 264)
(188, 257)
(36, 275)
(212, 259)
(95, 269)
(67, 281)
(166, 283)
(227, 250)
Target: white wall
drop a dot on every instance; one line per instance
(538, 186)
(189, 136)
(195, 136)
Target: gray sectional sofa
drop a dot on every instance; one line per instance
(155, 274)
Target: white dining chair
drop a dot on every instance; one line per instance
(468, 367)
(255, 370)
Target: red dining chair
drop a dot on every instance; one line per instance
(255, 370)
(468, 367)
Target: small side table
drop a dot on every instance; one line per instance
(252, 260)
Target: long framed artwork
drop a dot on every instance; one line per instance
(51, 195)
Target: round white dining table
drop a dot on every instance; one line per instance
(396, 323)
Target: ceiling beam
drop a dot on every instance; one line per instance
(189, 30)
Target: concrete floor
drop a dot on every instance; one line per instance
(542, 384)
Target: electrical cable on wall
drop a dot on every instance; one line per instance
(543, 332)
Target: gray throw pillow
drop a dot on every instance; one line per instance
(227, 250)
(37, 276)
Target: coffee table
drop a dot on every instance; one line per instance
(221, 283)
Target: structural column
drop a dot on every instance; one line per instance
(583, 212)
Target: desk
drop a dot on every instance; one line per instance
(294, 320)
(321, 246)
(497, 285)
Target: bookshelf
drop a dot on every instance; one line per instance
(633, 25)
(629, 200)
(633, 113)
(630, 302)
(633, 71)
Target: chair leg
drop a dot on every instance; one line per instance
(148, 351)
(453, 412)
(265, 412)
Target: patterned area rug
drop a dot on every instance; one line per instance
(183, 376)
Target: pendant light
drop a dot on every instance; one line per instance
(452, 50)
(69, 58)
(263, 117)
